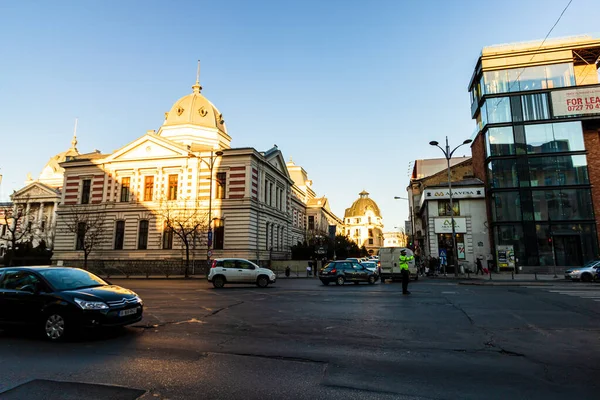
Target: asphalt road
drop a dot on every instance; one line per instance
(302, 340)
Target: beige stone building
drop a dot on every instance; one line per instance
(363, 223)
(187, 167)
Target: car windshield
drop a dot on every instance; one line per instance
(71, 278)
(590, 264)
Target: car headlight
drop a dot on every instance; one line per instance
(576, 271)
(91, 305)
(139, 299)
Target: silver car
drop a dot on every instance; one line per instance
(585, 273)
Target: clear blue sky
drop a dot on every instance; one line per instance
(351, 90)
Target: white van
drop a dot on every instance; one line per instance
(389, 257)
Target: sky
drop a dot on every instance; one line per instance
(352, 91)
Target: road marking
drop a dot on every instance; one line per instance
(591, 293)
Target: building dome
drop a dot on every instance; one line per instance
(361, 206)
(195, 109)
(52, 173)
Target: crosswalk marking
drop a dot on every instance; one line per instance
(591, 293)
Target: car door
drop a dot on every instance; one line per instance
(360, 272)
(247, 271)
(21, 296)
(230, 270)
(348, 271)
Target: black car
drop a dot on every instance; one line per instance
(59, 300)
(344, 271)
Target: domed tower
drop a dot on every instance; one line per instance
(195, 121)
(52, 174)
(364, 224)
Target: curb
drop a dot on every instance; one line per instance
(507, 283)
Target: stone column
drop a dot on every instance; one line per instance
(40, 215)
(53, 217)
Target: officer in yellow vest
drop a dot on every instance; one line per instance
(403, 263)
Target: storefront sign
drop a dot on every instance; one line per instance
(441, 194)
(444, 225)
(576, 101)
(505, 256)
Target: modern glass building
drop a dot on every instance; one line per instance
(537, 148)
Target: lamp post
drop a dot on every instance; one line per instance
(448, 154)
(211, 164)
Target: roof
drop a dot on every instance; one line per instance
(361, 206)
(195, 109)
(429, 167)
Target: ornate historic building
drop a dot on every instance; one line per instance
(363, 223)
(187, 171)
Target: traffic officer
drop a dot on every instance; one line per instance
(403, 263)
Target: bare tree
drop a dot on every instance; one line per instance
(188, 221)
(18, 226)
(87, 223)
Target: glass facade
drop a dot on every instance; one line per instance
(537, 167)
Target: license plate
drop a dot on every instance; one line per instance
(128, 312)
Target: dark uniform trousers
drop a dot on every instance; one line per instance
(405, 278)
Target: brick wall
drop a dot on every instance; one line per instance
(479, 170)
(591, 137)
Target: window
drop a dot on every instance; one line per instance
(143, 235)
(80, 240)
(125, 184)
(503, 173)
(167, 237)
(311, 222)
(444, 209)
(498, 110)
(85, 191)
(219, 234)
(558, 170)
(148, 188)
(552, 138)
(172, 190)
(369, 220)
(20, 280)
(370, 240)
(119, 234)
(562, 204)
(270, 193)
(507, 206)
(370, 232)
(241, 264)
(535, 107)
(221, 185)
(500, 141)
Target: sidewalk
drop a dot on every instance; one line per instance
(507, 278)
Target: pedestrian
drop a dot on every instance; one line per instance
(479, 266)
(403, 263)
(308, 269)
(417, 255)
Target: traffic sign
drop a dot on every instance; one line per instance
(209, 253)
(443, 253)
(209, 236)
(443, 261)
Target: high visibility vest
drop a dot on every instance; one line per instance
(403, 262)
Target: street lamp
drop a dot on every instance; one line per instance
(448, 154)
(211, 164)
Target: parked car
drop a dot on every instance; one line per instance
(344, 271)
(587, 273)
(371, 266)
(239, 270)
(58, 300)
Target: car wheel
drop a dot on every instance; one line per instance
(218, 282)
(262, 281)
(54, 327)
(586, 278)
(371, 280)
(340, 280)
